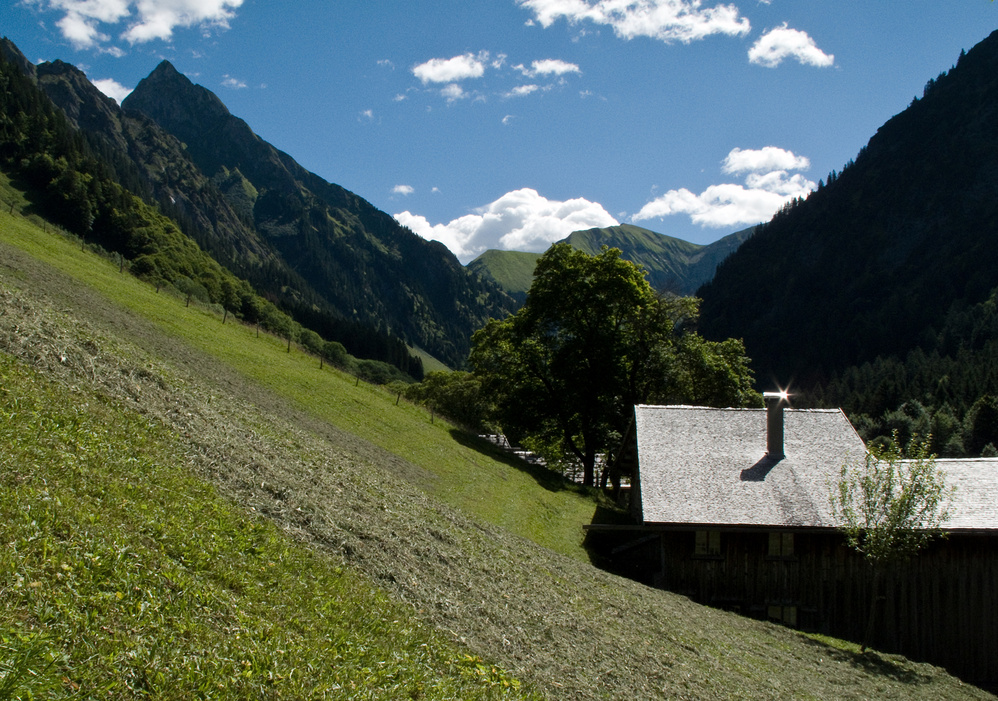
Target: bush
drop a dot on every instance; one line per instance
(335, 353)
(454, 395)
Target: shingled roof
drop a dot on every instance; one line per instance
(709, 466)
(700, 466)
(974, 505)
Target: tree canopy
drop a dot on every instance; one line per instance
(593, 340)
(891, 508)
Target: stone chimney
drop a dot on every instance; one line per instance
(775, 401)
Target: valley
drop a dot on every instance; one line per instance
(286, 444)
(211, 481)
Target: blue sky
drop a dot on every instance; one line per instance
(511, 123)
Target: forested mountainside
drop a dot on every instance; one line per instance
(322, 253)
(133, 153)
(357, 258)
(73, 180)
(880, 288)
(673, 265)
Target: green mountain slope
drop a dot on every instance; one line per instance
(673, 265)
(513, 270)
(356, 257)
(245, 534)
(888, 254)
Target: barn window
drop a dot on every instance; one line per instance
(784, 614)
(708, 544)
(781, 544)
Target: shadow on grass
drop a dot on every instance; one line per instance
(597, 546)
(32, 198)
(601, 545)
(549, 479)
(873, 663)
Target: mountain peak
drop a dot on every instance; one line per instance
(166, 72)
(85, 106)
(168, 91)
(10, 52)
(166, 77)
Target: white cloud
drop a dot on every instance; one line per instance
(452, 71)
(507, 120)
(229, 82)
(548, 66)
(403, 190)
(665, 20)
(453, 92)
(81, 31)
(782, 42)
(553, 66)
(522, 91)
(112, 89)
(156, 20)
(768, 186)
(448, 70)
(521, 220)
(765, 159)
(717, 206)
(146, 19)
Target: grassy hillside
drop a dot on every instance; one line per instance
(193, 508)
(673, 265)
(513, 270)
(128, 577)
(509, 499)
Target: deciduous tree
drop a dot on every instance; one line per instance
(890, 508)
(592, 340)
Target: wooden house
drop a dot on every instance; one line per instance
(732, 508)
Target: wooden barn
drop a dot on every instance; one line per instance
(732, 508)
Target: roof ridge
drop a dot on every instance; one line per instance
(978, 459)
(732, 408)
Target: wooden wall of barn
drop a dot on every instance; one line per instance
(940, 607)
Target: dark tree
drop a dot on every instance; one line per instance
(593, 340)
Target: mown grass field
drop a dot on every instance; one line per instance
(190, 511)
(124, 575)
(508, 497)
